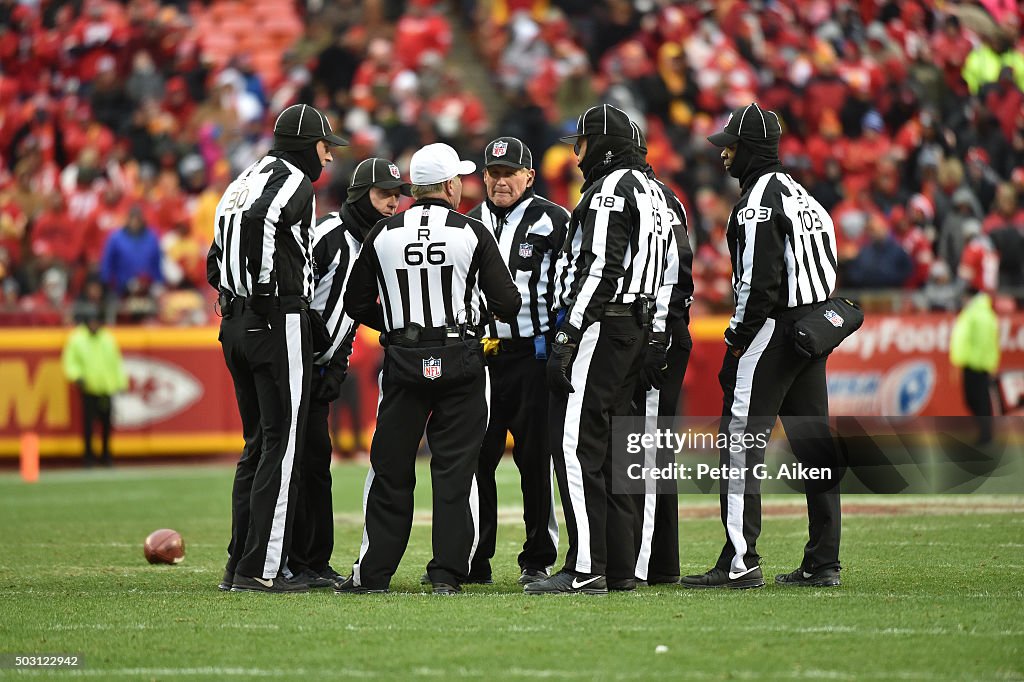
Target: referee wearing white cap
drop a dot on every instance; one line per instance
(431, 267)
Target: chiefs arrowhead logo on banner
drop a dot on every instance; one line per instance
(394, 171)
(499, 148)
(157, 391)
(432, 368)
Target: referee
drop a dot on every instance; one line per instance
(618, 241)
(783, 248)
(429, 266)
(656, 527)
(373, 195)
(530, 231)
(261, 263)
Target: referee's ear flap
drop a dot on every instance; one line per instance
(533, 176)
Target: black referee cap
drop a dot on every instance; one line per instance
(604, 119)
(305, 124)
(375, 172)
(508, 151)
(750, 123)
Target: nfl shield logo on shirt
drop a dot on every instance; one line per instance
(833, 317)
(499, 148)
(395, 173)
(526, 250)
(432, 368)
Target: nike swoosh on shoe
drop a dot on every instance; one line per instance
(734, 576)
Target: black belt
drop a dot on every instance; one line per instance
(618, 310)
(294, 302)
(437, 336)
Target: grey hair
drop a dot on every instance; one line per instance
(420, 191)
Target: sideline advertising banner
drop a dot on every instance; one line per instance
(180, 399)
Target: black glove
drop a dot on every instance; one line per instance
(562, 351)
(655, 364)
(260, 305)
(329, 387)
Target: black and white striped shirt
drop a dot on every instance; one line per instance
(429, 266)
(620, 236)
(676, 292)
(262, 240)
(529, 238)
(783, 248)
(335, 249)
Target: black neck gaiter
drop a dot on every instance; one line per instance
(361, 216)
(306, 160)
(752, 160)
(607, 153)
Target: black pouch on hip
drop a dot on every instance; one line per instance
(434, 367)
(643, 312)
(826, 326)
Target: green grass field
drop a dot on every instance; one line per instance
(931, 591)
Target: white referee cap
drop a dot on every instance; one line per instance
(436, 163)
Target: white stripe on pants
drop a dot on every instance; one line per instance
(570, 442)
(293, 347)
(643, 558)
(365, 545)
(737, 425)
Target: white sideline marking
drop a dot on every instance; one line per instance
(162, 626)
(800, 630)
(470, 673)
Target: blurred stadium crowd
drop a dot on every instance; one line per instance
(122, 122)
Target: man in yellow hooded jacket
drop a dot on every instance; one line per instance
(974, 347)
(92, 361)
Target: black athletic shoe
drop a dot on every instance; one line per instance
(348, 586)
(277, 585)
(621, 584)
(446, 589)
(532, 575)
(718, 578)
(225, 582)
(826, 577)
(314, 579)
(564, 582)
(331, 575)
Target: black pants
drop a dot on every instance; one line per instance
(269, 360)
(656, 526)
(770, 379)
(604, 373)
(313, 531)
(979, 401)
(519, 404)
(455, 421)
(96, 408)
